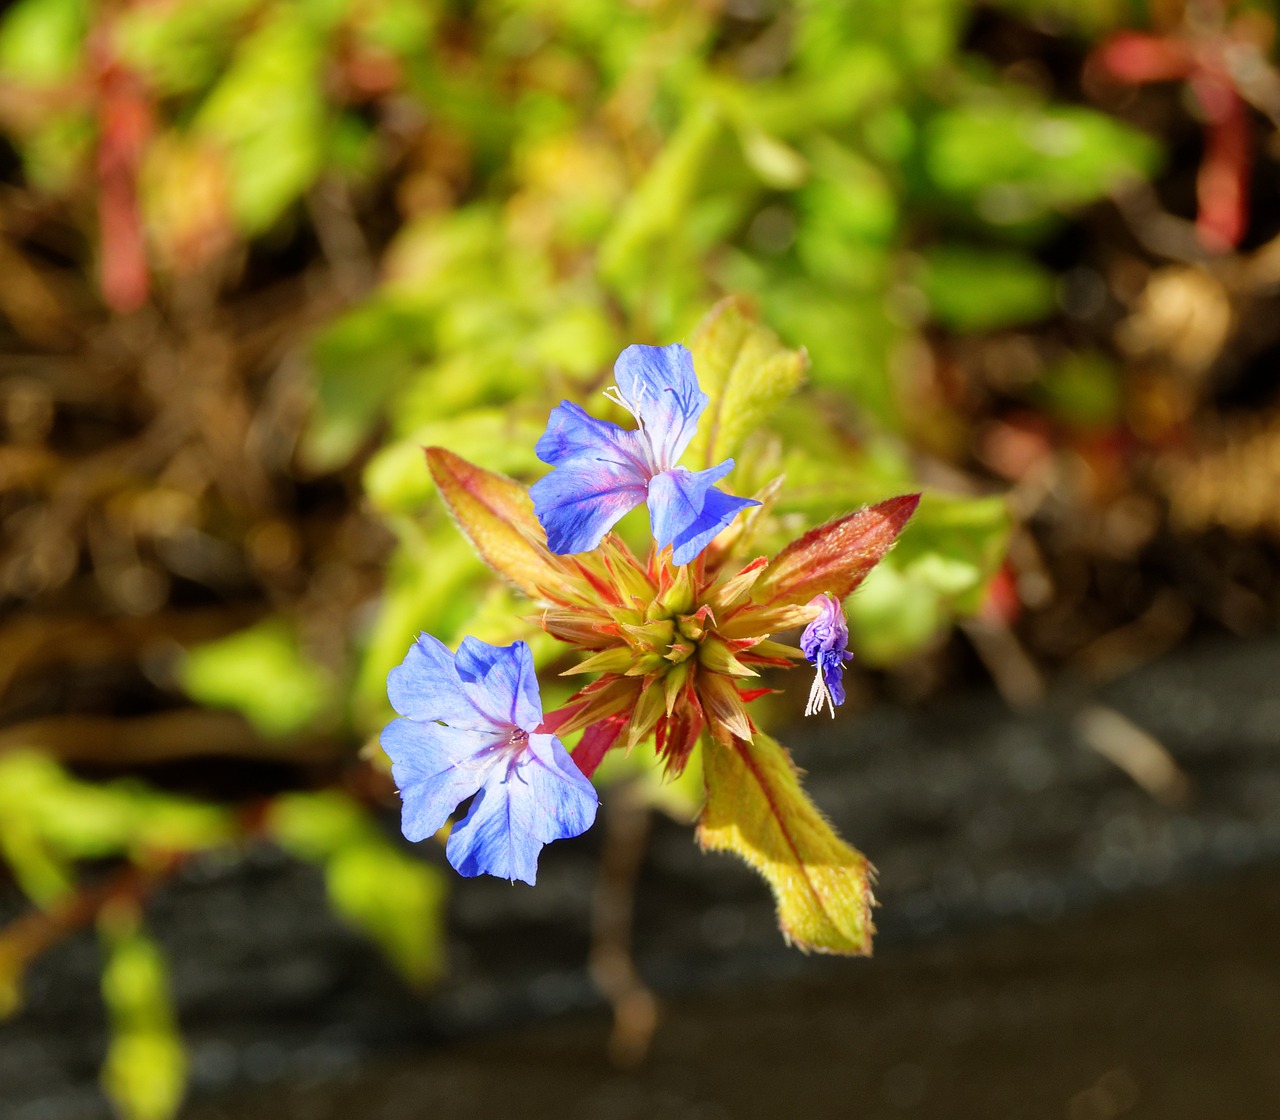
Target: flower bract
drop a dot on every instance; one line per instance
(602, 471)
(469, 726)
(824, 643)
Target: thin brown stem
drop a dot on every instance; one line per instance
(635, 1008)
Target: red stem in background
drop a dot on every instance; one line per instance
(125, 125)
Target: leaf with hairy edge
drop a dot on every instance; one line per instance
(756, 809)
(834, 558)
(496, 515)
(745, 371)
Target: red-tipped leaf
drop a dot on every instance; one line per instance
(834, 558)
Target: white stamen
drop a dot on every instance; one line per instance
(614, 394)
(819, 694)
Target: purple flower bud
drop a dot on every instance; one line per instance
(823, 642)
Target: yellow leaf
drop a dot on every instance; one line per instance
(756, 809)
(745, 371)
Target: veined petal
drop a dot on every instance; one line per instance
(661, 388)
(582, 499)
(426, 686)
(573, 433)
(686, 511)
(500, 681)
(436, 768)
(565, 798)
(496, 837)
(541, 798)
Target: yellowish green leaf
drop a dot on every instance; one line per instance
(756, 809)
(745, 371)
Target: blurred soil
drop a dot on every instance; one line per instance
(1165, 1006)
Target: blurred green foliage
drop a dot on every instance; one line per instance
(568, 177)
(374, 885)
(261, 673)
(145, 1071)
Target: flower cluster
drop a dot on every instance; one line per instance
(675, 638)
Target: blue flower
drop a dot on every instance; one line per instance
(823, 642)
(469, 728)
(602, 471)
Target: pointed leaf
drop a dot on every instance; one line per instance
(746, 372)
(756, 809)
(496, 515)
(834, 558)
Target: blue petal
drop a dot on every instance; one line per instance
(833, 674)
(543, 797)
(426, 686)
(572, 433)
(500, 681)
(583, 499)
(566, 799)
(686, 511)
(660, 385)
(497, 836)
(436, 768)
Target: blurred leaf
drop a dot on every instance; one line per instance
(656, 207)
(431, 584)
(779, 165)
(892, 616)
(746, 372)
(40, 873)
(1083, 389)
(850, 217)
(83, 820)
(397, 901)
(313, 826)
(985, 289)
(274, 155)
(145, 1071)
(849, 339)
(402, 26)
(261, 673)
(756, 809)
(681, 797)
(55, 155)
(180, 46)
(1017, 162)
(1087, 17)
(41, 40)
(360, 360)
